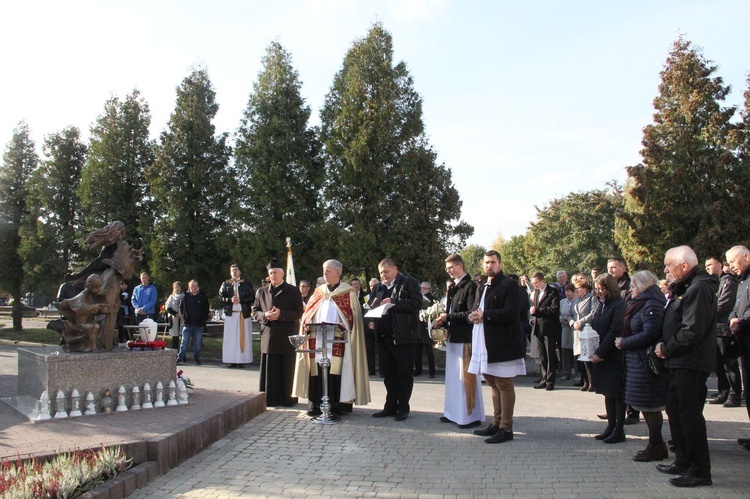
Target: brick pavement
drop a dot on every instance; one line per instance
(281, 454)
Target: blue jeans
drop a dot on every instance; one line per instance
(195, 332)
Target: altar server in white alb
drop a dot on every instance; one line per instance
(238, 297)
(333, 302)
(463, 390)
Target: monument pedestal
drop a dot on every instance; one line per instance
(51, 369)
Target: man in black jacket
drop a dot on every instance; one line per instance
(194, 310)
(727, 367)
(497, 351)
(689, 346)
(398, 333)
(546, 328)
(463, 391)
(739, 319)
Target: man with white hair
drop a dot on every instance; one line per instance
(334, 302)
(739, 318)
(688, 345)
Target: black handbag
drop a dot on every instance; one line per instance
(655, 363)
(733, 347)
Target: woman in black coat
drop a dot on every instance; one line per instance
(609, 370)
(645, 391)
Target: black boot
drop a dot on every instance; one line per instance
(606, 433)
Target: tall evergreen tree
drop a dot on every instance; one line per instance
(19, 163)
(51, 239)
(682, 191)
(278, 165)
(191, 185)
(386, 194)
(113, 183)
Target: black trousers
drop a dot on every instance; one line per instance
(397, 375)
(745, 339)
(370, 347)
(276, 378)
(548, 358)
(686, 396)
(425, 344)
(727, 371)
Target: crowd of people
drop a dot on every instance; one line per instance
(659, 340)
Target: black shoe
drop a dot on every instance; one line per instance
(549, 388)
(688, 480)
(384, 414)
(473, 424)
(313, 413)
(652, 453)
(615, 438)
(241, 366)
(632, 420)
(231, 366)
(487, 432)
(743, 441)
(746, 445)
(443, 419)
(718, 400)
(180, 362)
(541, 385)
(733, 403)
(601, 416)
(672, 469)
(401, 416)
(198, 362)
(606, 433)
(499, 437)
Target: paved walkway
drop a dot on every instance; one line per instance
(281, 454)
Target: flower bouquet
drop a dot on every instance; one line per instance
(185, 380)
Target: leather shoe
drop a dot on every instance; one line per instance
(541, 385)
(383, 414)
(549, 388)
(314, 413)
(733, 403)
(671, 469)
(401, 416)
(743, 441)
(601, 416)
(746, 445)
(718, 400)
(487, 432)
(632, 420)
(652, 453)
(499, 437)
(688, 480)
(473, 424)
(443, 419)
(606, 433)
(615, 438)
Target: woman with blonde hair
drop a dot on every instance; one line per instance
(644, 390)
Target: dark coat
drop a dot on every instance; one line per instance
(195, 309)
(274, 335)
(741, 308)
(609, 375)
(547, 313)
(726, 298)
(502, 336)
(689, 332)
(403, 316)
(461, 299)
(642, 387)
(245, 292)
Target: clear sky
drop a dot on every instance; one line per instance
(524, 100)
